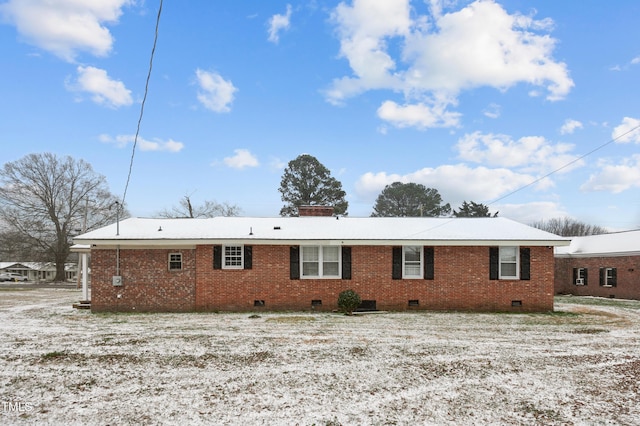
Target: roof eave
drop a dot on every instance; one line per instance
(348, 242)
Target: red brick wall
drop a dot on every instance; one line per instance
(627, 269)
(315, 211)
(148, 285)
(461, 282)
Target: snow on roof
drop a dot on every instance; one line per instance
(34, 266)
(615, 244)
(342, 230)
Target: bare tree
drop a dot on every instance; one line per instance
(45, 200)
(207, 209)
(568, 227)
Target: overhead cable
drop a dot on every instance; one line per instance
(144, 99)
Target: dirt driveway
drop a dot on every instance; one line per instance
(579, 365)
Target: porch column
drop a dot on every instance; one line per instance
(85, 285)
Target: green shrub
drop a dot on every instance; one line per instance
(348, 301)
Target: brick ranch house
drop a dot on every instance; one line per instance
(303, 263)
(606, 265)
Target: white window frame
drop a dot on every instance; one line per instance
(230, 260)
(579, 276)
(608, 277)
(503, 250)
(320, 262)
(406, 263)
(175, 258)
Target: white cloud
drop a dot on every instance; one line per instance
(242, 158)
(627, 131)
(570, 126)
(615, 178)
(529, 213)
(276, 164)
(64, 27)
(279, 23)
(418, 115)
(455, 183)
(215, 92)
(529, 153)
(103, 89)
(363, 29)
(445, 53)
(636, 60)
(144, 144)
(492, 111)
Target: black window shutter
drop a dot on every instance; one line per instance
(217, 257)
(346, 263)
(584, 275)
(493, 263)
(602, 276)
(396, 270)
(429, 271)
(294, 262)
(248, 257)
(525, 263)
(614, 277)
(575, 275)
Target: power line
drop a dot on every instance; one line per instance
(539, 179)
(565, 166)
(144, 99)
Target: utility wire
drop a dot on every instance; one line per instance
(144, 99)
(537, 180)
(565, 166)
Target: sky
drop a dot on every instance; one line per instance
(530, 107)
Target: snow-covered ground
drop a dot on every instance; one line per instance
(579, 365)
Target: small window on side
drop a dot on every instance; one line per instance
(175, 261)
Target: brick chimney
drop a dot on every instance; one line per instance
(315, 211)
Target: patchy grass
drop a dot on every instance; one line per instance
(55, 355)
(598, 301)
(578, 365)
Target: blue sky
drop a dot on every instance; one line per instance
(481, 100)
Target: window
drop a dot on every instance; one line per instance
(580, 276)
(608, 277)
(320, 261)
(508, 263)
(233, 257)
(175, 261)
(412, 262)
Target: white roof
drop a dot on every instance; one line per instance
(34, 266)
(615, 244)
(328, 230)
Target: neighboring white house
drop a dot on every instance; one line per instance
(40, 271)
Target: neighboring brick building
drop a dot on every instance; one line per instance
(606, 265)
(303, 263)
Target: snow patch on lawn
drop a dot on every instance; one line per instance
(579, 365)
